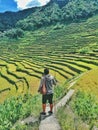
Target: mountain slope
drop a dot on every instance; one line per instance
(55, 11)
(88, 82)
(9, 19)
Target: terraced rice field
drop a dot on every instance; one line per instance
(22, 62)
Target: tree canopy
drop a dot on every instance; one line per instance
(50, 14)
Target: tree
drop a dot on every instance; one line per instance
(14, 33)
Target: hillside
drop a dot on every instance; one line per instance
(66, 50)
(55, 11)
(62, 36)
(82, 111)
(88, 83)
(8, 20)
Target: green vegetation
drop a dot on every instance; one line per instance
(88, 83)
(26, 127)
(67, 52)
(86, 107)
(14, 33)
(17, 108)
(81, 113)
(9, 19)
(52, 13)
(64, 39)
(84, 50)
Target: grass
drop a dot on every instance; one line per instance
(88, 82)
(19, 107)
(85, 103)
(69, 121)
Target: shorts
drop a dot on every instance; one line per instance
(47, 97)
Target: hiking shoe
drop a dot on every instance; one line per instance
(50, 112)
(43, 113)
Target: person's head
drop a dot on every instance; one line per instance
(46, 71)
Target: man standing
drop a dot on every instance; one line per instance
(49, 81)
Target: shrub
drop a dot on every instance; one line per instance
(58, 26)
(15, 108)
(14, 33)
(84, 50)
(86, 107)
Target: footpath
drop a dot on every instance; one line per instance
(50, 122)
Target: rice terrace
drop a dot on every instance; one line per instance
(69, 50)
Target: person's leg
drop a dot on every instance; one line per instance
(44, 99)
(51, 107)
(44, 107)
(50, 99)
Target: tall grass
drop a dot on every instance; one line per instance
(18, 108)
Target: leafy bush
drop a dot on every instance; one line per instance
(58, 26)
(14, 33)
(17, 108)
(59, 91)
(86, 107)
(81, 113)
(24, 25)
(84, 50)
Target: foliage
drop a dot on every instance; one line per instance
(24, 25)
(14, 33)
(17, 108)
(50, 14)
(20, 107)
(86, 107)
(65, 119)
(42, 17)
(80, 113)
(76, 9)
(59, 92)
(26, 127)
(84, 50)
(68, 120)
(8, 19)
(58, 26)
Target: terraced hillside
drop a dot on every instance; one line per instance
(67, 52)
(88, 83)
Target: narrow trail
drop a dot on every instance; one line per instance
(51, 123)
